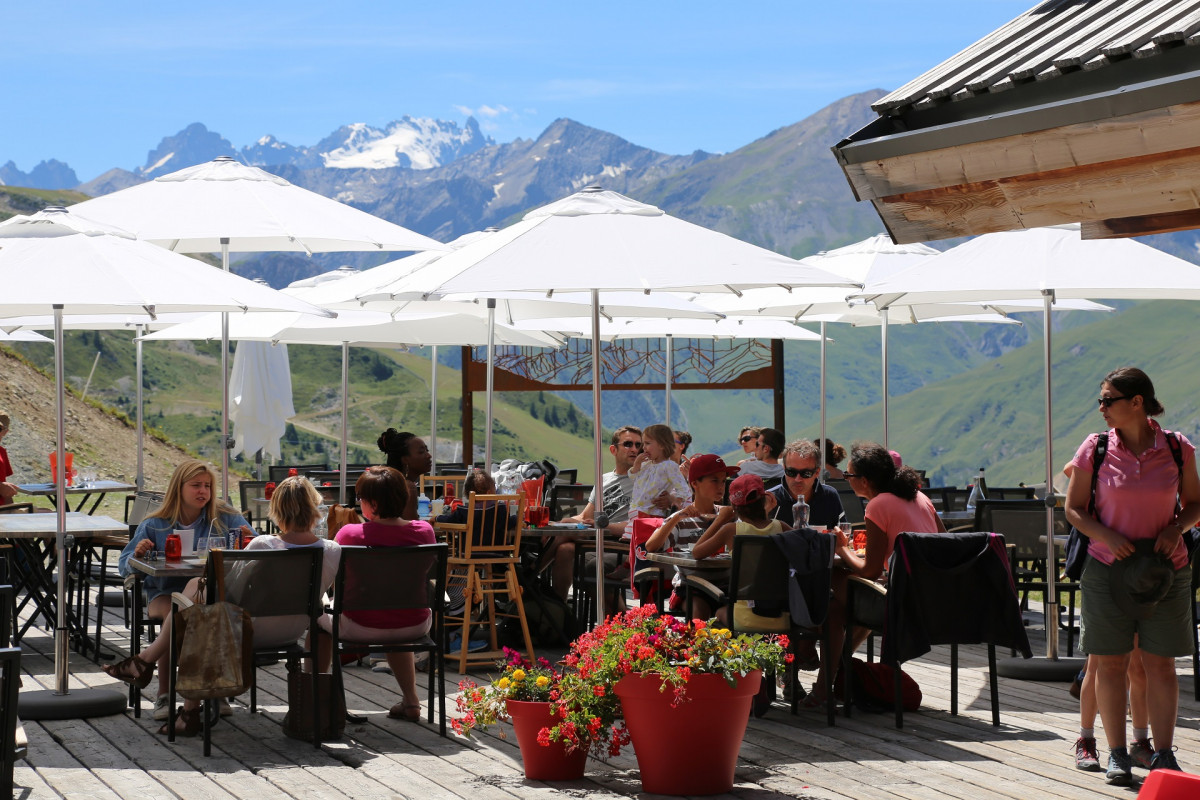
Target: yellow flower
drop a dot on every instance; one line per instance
(728, 653)
(518, 675)
(503, 683)
(542, 681)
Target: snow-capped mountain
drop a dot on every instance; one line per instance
(409, 142)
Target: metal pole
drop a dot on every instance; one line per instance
(599, 443)
(670, 347)
(225, 441)
(433, 401)
(1050, 602)
(345, 420)
(491, 363)
(884, 327)
(822, 456)
(141, 472)
(60, 485)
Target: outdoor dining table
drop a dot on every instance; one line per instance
(33, 537)
(717, 563)
(954, 519)
(158, 568)
(99, 488)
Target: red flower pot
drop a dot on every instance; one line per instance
(552, 763)
(691, 749)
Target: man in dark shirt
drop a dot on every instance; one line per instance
(800, 478)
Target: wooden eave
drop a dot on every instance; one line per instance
(1124, 162)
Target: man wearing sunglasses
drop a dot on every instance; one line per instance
(800, 467)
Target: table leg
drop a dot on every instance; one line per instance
(135, 642)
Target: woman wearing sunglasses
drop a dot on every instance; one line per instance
(800, 466)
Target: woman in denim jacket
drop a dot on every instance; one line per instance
(190, 503)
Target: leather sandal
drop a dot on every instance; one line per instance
(131, 670)
(404, 711)
(189, 717)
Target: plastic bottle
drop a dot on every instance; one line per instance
(173, 549)
(292, 472)
(269, 490)
(978, 491)
(448, 493)
(321, 529)
(800, 513)
(422, 506)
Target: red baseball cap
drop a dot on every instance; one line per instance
(746, 489)
(707, 464)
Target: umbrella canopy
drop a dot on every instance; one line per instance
(261, 387)
(23, 336)
(194, 209)
(57, 261)
(1045, 263)
(646, 328)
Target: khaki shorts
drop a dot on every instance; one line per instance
(1107, 631)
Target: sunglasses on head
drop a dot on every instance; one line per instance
(638, 445)
(745, 439)
(1107, 402)
(848, 474)
(799, 473)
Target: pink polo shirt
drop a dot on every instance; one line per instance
(895, 515)
(1135, 495)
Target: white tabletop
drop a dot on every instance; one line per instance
(47, 489)
(44, 526)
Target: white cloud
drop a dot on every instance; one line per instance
(487, 112)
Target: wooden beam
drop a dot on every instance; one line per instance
(1141, 226)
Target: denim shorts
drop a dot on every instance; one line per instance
(1108, 631)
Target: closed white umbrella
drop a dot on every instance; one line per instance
(261, 388)
(71, 265)
(230, 207)
(1045, 264)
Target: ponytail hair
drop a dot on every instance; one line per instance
(871, 462)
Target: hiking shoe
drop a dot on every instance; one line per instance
(1165, 759)
(1086, 757)
(162, 708)
(1141, 752)
(1120, 768)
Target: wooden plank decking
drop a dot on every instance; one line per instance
(936, 757)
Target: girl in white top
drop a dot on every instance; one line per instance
(655, 473)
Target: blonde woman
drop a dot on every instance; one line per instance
(190, 504)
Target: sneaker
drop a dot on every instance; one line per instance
(162, 708)
(1165, 759)
(1141, 752)
(1120, 768)
(1086, 757)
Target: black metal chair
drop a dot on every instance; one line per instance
(11, 750)
(954, 499)
(394, 579)
(1010, 493)
(852, 504)
(277, 472)
(568, 499)
(567, 476)
(248, 492)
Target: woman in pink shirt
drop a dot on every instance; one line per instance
(383, 494)
(893, 506)
(1141, 495)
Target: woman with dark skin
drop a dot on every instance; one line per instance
(408, 453)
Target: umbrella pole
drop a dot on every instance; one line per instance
(822, 456)
(225, 383)
(433, 401)
(670, 346)
(600, 517)
(141, 475)
(345, 418)
(883, 346)
(491, 364)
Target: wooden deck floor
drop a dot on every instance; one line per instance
(936, 757)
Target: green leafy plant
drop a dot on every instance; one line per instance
(484, 706)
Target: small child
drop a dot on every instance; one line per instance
(655, 473)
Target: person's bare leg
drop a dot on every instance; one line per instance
(1111, 672)
(1087, 697)
(156, 651)
(835, 620)
(701, 609)
(405, 671)
(324, 652)
(1139, 711)
(1162, 698)
(562, 571)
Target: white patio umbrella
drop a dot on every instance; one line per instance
(223, 206)
(1049, 264)
(261, 388)
(59, 262)
(23, 336)
(600, 241)
(667, 329)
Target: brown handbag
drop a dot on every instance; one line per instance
(216, 650)
(297, 723)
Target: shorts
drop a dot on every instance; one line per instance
(1107, 631)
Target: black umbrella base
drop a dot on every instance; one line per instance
(1040, 668)
(76, 704)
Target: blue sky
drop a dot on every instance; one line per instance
(99, 84)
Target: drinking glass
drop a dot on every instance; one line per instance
(216, 543)
(202, 544)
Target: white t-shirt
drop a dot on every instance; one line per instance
(269, 631)
(618, 491)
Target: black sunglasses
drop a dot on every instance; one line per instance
(745, 439)
(799, 473)
(1106, 402)
(848, 474)
(638, 445)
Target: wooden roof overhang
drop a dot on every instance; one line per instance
(1116, 149)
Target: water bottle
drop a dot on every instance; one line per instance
(800, 513)
(422, 506)
(978, 492)
(321, 529)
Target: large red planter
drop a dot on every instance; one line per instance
(691, 749)
(551, 763)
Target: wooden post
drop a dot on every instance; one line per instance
(468, 410)
(777, 367)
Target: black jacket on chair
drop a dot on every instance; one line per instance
(809, 555)
(950, 588)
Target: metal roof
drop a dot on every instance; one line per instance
(1055, 38)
